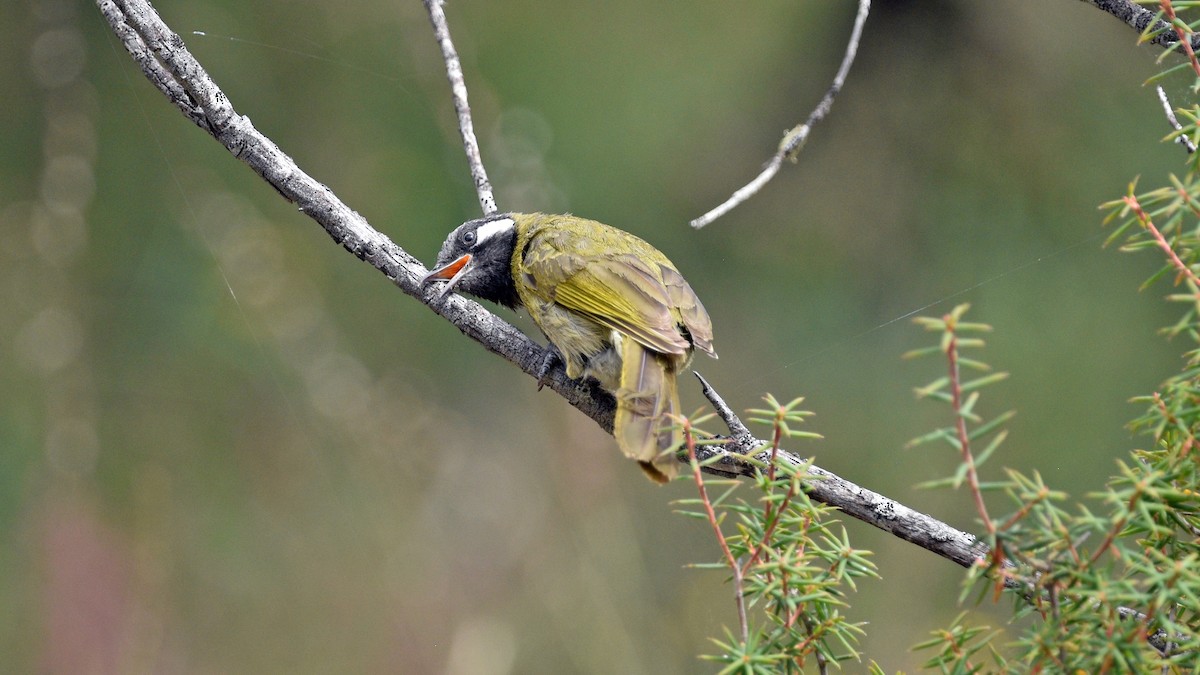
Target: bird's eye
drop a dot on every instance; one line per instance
(468, 238)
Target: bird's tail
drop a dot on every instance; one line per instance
(647, 406)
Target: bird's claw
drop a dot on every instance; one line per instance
(549, 358)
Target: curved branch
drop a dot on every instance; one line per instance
(793, 141)
(176, 73)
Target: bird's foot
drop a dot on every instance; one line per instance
(549, 358)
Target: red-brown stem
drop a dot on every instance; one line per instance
(787, 499)
(1025, 508)
(1162, 242)
(1071, 547)
(716, 526)
(767, 514)
(791, 620)
(1116, 529)
(813, 632)
(960, 424)
(1191, 440)
(776, 438)
(1189, 200)
(811, 639)
(957, 649)
(795, 613)
(1169, 10)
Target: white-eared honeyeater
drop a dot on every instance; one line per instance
(615, 308)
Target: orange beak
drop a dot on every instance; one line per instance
(453, 271)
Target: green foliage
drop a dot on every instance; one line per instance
(1110, 585)
(959, 648)
(1115, 589)
(962, 395)
(790, 560)
(1111, 590)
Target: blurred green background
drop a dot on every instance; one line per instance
(227, 446)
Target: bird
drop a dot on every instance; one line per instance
(613, 308)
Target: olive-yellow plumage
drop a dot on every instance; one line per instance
(615, 307)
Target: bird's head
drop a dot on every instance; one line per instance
(476, 258)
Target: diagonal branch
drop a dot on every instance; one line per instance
(175, 72)
(827, 487)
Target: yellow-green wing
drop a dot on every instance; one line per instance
(638, 293)
(623, 293)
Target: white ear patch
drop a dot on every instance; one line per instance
(493, 228)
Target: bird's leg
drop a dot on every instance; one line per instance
(551, 356)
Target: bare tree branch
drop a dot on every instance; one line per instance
(458, 87)
(1131, 13)
(870, 507)
(1138, 18)
(175, 72)
(793, 141)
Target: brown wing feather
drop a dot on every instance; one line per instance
(691, 311)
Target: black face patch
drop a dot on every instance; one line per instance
(488, 243)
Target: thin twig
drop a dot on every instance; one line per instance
(960, 425)
(730, 418)
(769, 517)
(1144, 218)
(794, 140)
(738, 586)
(1116, 528)
(822, 663)
(458, 87)
(1169, 110)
